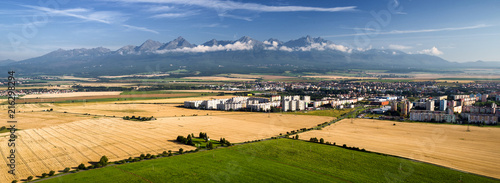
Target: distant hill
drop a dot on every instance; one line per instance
(245, 55)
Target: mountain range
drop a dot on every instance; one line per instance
(245, 55)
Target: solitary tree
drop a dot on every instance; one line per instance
(321, 141)
(297, 136)
(103, 161)
(30, 178)
(51, 173)
(66, 170)
(210, 145)
(81, 166)
(181, 151)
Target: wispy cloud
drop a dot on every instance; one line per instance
(161, 8)
(399, 47)
(72, 13)
(412, 31)
(140, 28)
(232, 5)
(106, 17)
(235, 17)
(174, 15)
(211, 25)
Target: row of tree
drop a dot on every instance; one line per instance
(139, 118)
(322, 141)
(184, 140)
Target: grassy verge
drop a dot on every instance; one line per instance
(280, 160)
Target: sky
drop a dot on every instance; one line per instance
(455, 30)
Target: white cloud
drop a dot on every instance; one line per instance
(219, 5)
(284, 48)
(412, 31)
(235, 17)
(324, 46)
(161, 8)
(237, 46)
(174, 15)
(399, 47)
(314, 46)
(106, 17)
(433, 51)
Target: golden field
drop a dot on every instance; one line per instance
(446, 145)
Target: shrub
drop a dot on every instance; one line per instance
(51, 173)
(321, 141)
(91, 167)
(44, 175)
(104, 160)
(14, 181)
(297, 136)
(181, 151)
(29, 178)
(81, 167)
(66, 170)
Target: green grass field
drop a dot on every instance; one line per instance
(473, 79)
(199, 142)
(329, 112)
(279, 160)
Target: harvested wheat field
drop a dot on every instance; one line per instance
(137, 109)
(124, 97)
(72, 94)
(266, 77)
(447, 145)
(337, 77)
(217, 78)
(67, 145)
(32, 116)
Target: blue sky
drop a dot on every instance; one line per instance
(454, 30)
